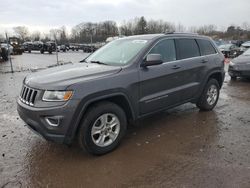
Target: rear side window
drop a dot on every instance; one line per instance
(166, 48)
(206, 47)
(187, 48)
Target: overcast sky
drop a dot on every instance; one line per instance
(43, 14)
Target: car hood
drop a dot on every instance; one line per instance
(242, 59)
(58, 78)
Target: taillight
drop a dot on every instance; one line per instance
(226, 61)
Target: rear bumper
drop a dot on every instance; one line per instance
(35, 119)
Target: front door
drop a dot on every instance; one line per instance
(159, 84)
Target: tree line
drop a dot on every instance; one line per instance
(87, 32)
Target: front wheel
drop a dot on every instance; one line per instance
(210, 96)
(102, 128)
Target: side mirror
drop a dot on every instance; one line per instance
(153, 59)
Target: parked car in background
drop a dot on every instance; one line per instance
(39, 46)
(88, 48)
(125, 80)
(27, 45)
(229, 50)
(74, 47)
(245, 46)
(17, 47)
(4, 56)
(240, 66)
(237, 42)
(50, 46)
(220, 42)
(63, 48)
(9, 48)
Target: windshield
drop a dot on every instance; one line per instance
(247, 53)
(118, 52)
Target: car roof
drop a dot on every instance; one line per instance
(162, 35)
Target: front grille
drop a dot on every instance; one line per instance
(28, 95)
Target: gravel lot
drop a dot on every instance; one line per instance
(181, 147)
(36, 60)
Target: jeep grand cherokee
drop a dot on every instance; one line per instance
(125, 80)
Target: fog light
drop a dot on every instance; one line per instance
(53, 121)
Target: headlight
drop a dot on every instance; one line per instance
(231, 63)
(57, 95)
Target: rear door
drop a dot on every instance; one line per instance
(193, 67)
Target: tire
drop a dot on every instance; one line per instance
(89, 140)
(211, 91)
(5, 55)
(42, 51)
(233, 77)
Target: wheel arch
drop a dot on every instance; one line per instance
(217, 76)
(119, 99)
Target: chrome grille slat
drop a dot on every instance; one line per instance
(24, 90)
(28, 95)
(25, 93)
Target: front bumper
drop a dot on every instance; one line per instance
(35, 118)
(232, 71)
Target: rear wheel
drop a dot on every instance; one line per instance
(210, 96)
(102, 128)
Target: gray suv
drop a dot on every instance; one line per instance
(123, 81)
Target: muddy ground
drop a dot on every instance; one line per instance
(181, 147)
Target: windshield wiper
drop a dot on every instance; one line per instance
(98, 62)
(84, 60)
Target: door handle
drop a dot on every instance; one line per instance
(176, 67)
(204, 61)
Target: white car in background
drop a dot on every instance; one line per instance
(245, 45)
(5, 45)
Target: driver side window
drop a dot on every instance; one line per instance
(166, 48)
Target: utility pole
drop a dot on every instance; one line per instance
(90, 31)
(57, 62)
(91, 41)
(7, 40)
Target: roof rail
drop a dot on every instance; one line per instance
(181, 33)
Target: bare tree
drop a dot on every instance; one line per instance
(246, 26)
(22, 32)
(180, 28)
(63, 35)
(192, 29)
(55, 34)
(126, 28)
(35, 36)
(1, 38)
